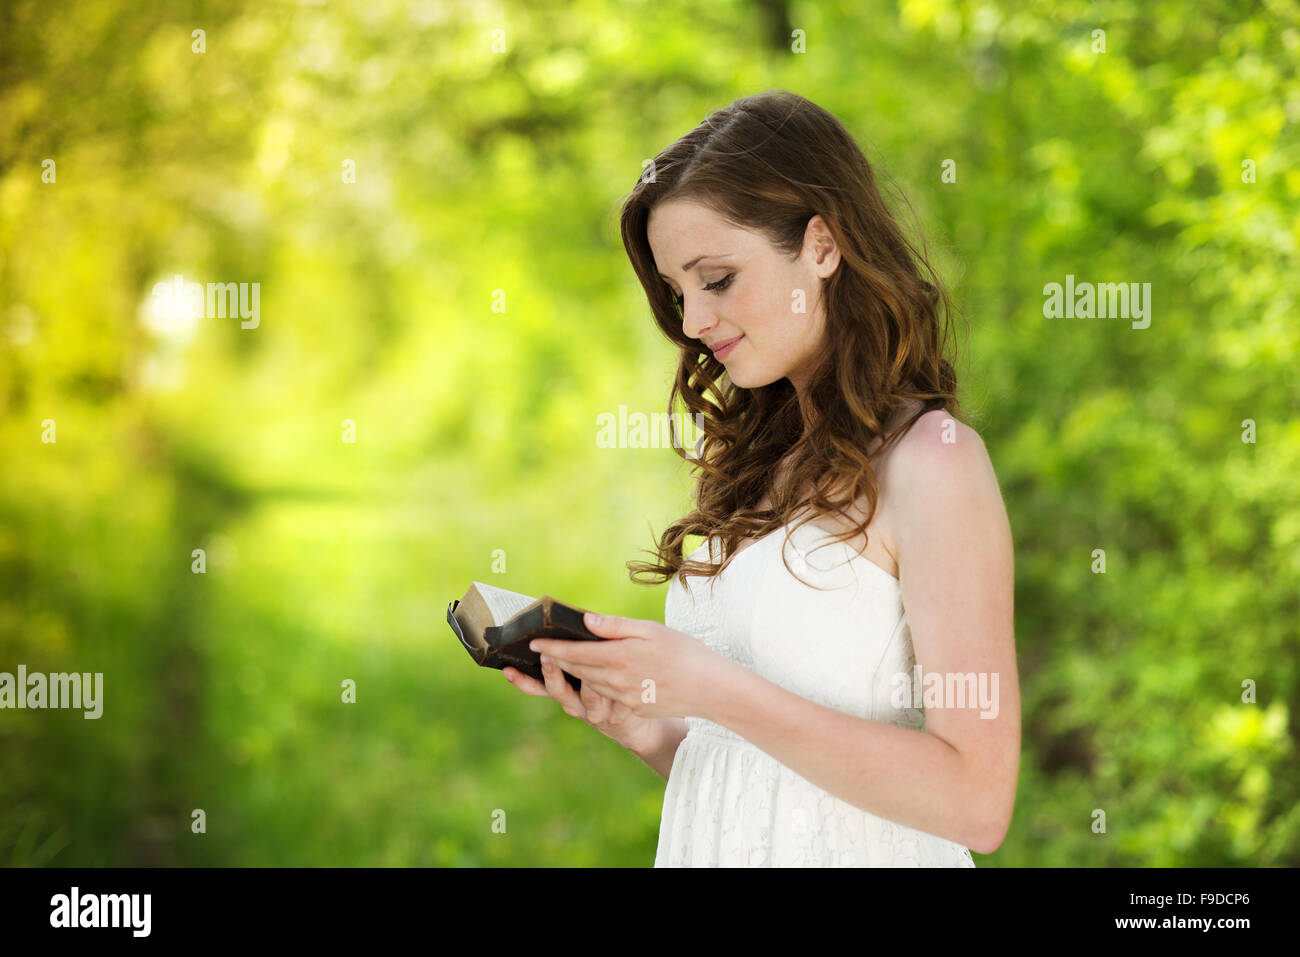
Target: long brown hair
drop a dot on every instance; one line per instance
(768, 163)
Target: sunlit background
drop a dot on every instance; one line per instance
(426, 194)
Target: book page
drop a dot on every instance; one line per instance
(503, 603)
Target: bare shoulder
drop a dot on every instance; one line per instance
(937, 449)
(938, 467)
(939, 475)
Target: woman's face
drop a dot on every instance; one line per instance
(755, 292)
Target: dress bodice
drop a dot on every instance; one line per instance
(839, 640)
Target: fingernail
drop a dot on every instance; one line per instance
(545, 661)
(594, 619)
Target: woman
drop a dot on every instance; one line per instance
(809, 711)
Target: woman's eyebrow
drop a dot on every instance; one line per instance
(687, 267)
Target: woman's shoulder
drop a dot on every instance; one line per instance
(937, 456)
(939, 461)
(935, 438)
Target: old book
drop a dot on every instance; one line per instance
(495, 626)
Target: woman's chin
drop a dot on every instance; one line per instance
(738, 379)
(742, 379)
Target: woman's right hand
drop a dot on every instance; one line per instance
(616, 721)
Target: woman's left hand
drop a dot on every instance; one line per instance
(653, 670)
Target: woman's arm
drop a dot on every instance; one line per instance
(659, 756)
(956, 779)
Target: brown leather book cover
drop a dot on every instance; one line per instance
(495, 625)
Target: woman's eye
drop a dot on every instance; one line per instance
(679, 301)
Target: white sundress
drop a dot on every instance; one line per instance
(728, 804)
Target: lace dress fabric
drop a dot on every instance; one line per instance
(728, 804)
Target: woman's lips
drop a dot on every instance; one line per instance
(723, 350)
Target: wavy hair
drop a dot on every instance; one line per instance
(768, 163)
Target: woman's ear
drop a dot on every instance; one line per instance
(821, 246)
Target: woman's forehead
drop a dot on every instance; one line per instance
(682, 232)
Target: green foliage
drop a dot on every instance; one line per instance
(479, 171)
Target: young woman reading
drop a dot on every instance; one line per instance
(835, 682)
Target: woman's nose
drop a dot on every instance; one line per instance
(696, 319)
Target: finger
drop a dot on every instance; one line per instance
(596, 674)
(590, 673)
(525, 683)
(615, 626)
(599, 685)
(575, 651)
(618, 712)
(597, 705)
(559, 688)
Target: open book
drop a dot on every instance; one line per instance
(495, 626)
